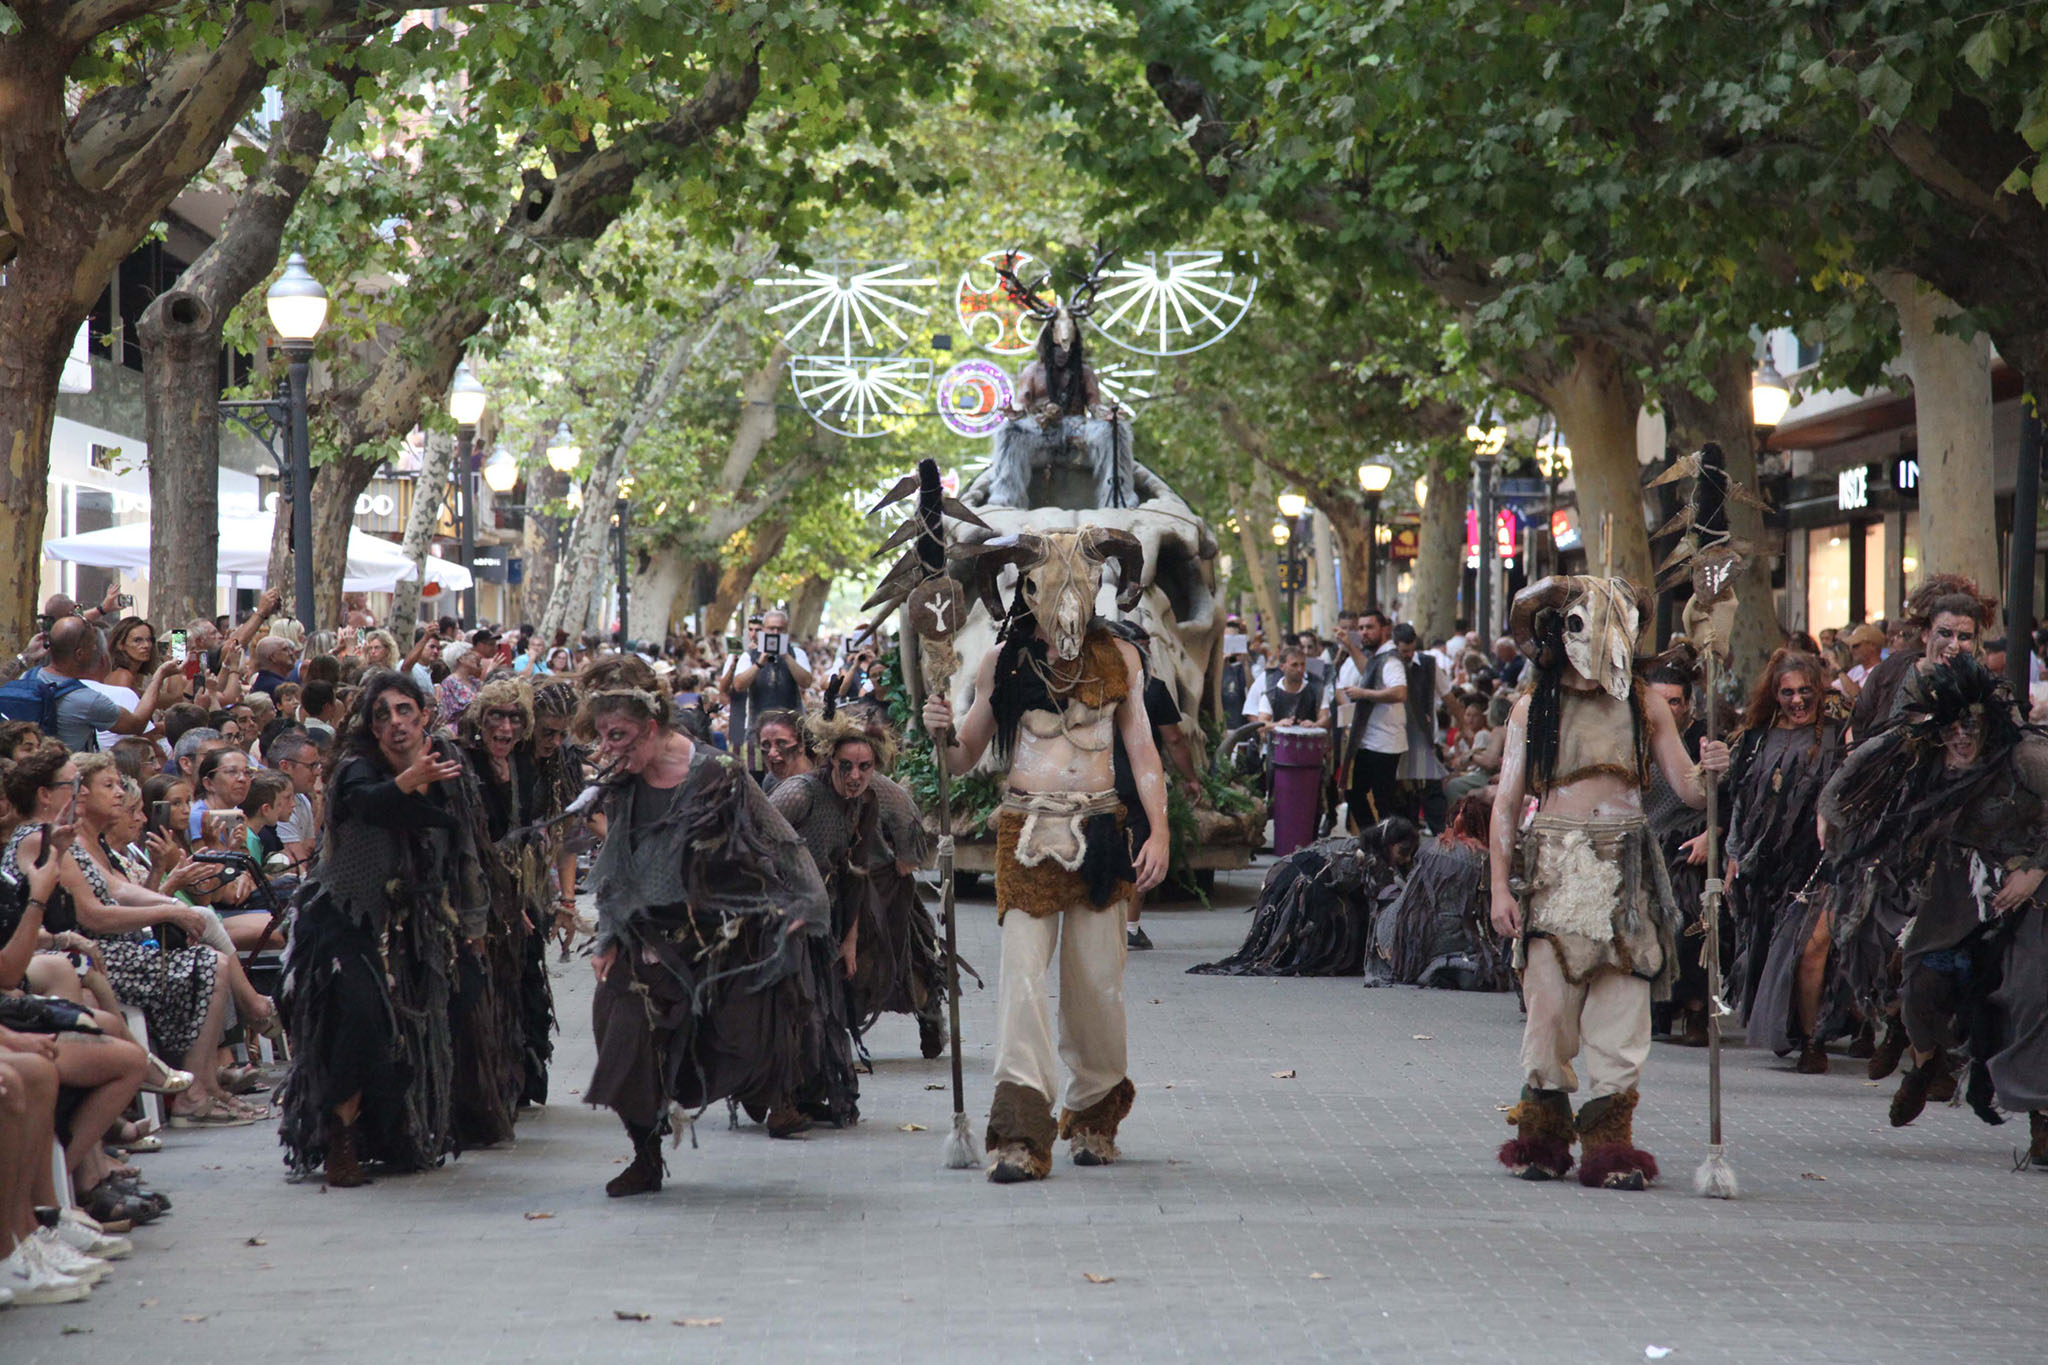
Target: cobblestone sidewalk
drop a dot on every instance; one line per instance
(1347, 1208)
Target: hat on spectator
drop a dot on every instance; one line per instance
(1867, 634)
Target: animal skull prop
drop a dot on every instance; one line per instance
(1061, 574)
(1598, 619)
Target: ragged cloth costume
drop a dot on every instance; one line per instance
(1675, 824)
(716, 911)
(1775, 777)
(1973, 976)
(378, 941)
(1064, 880)
(1599, 926)
(1315, 911)
(521, 877)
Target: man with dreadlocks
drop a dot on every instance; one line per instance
(1051, 698)
(1953, 799)
(1582, 889)
(865, 835)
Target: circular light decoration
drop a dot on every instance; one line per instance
(860, 396)
(1172, 302)
(1124, 382)
(974, 397)
(849, 306)
(988, 315)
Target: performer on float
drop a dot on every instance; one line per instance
(1953, 801)
(864, 834)
(1049, 699)
(1582, 889)
(708, 905)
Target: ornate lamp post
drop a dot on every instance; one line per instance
(297, 305)
(466, 402)
(1487, 444)
(1373, 478)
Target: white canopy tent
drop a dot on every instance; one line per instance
(374, 564)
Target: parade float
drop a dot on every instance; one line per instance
(1061, 455)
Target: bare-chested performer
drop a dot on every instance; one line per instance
(1052, 697)
(1598, 938)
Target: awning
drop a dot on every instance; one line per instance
(374, 563)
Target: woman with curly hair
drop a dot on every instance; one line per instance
(1787, 748)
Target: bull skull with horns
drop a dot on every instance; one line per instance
(1060, 573)
(1596, 619)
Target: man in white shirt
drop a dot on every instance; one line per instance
(1866, 649)
(1380, 684)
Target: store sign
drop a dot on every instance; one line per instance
(1906, 474)
(1564, 528)
(496, 567)
(1406, 544)
(1507, 535)
(1852, 489)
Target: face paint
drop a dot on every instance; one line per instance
(1963, 742)
(1949, 635)
(1798, 699)
(549, 734)
(853, 767)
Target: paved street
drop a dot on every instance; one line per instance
(1351, 1209)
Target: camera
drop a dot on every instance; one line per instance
(771, 641)
(175, 643)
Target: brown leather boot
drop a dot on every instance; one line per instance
(1813, 1059)
(1891, 1045)
(344, 1172)
(1918, 1085)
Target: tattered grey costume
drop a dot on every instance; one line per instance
(1024, 448)
(714, 906)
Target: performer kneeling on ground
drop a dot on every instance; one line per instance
(1051, 697)
(708, 905)
(373, 949)
(1598, 938)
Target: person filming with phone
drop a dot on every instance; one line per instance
(775, 672)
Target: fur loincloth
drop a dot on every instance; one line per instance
(1057, 851)
(1598, 890)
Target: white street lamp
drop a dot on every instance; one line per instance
(466, 397)
(1422, 491)
(1375, 477)
(1282, 533)
(501, 471)
(297, 303)
(563, 452)
(1769, 395)
(1292, 505)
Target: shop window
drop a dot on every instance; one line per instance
(1873, 570)
(1909, 554)
(1827, 577)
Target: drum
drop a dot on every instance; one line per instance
(1297, 784)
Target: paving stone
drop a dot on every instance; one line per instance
(1372, 1167)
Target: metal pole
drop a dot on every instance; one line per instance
(2019, 594)
(1372, 552)
(301, 358)
(1483, 616)
(624, 631)
(465, 441)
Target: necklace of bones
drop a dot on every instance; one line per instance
(1080, 735)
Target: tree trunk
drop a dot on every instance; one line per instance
(1726, 419)
(33, 343)
(660, 576)
(1440, 552)
(1355, 542)
(336, 486)
(1595, 401)
(1952, 418)
(420, 521)
(764, 543)
(181, 342)
(543, 534)
(1251, 543)
(808, 610)
(181, 334)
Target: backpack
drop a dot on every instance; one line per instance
(33, 697)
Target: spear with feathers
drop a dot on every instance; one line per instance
(935, 604)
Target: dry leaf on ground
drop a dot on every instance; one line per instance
(257, 1242)
(628, 1315)
(1093, 1278)
(149, 1303)
(1809, 1175)
(1317, 1275)
(912, 1128)
(935, 1087)
(1286, 1075)
(700, 1322)
(531, 1217)
(1423, 1037)
(193, 1317)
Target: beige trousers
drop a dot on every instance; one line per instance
(1607, 1018)
(1092, 1042)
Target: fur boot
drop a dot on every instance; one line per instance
(1020, 1135)
(1918, 1085)
(1542, 1146)
(1609, 1157)
(1092, 1131)
(1891, 1045)
(644, 1175)
(343, 1171)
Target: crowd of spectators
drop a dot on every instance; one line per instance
(161, 789)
